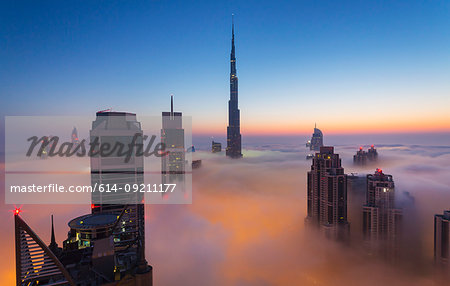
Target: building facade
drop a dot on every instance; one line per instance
(356, 189)
(381, 218)
(327, 195)
(442, 241)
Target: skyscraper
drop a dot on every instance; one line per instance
(362, 157)
(442, 241)
(112, 128)
(234, 149)
(173, 163)
(216, 147)
(327, 194)
(372, 153)
(381, 218)
(316, 140)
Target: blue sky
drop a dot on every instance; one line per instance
(298, 61)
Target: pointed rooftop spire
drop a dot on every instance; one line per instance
(232, 38)
(232, 24)
(53, 245)
(53, 232)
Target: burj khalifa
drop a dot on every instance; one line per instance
(233, 129)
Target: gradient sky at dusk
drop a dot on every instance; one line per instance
(350, 66)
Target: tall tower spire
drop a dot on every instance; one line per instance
(53, 232)
(232, 35)
(233, 50)
(53, 245)
(232, 23)
(233, 130)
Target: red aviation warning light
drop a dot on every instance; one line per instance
(17, 211)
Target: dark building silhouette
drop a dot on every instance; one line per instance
(316, 140)
(442, 242)
(381, 218)
(327, 195)
(372, 153)
(196, 164)
(234, 149)
(362, 157)
(53, 246)
(92, 237)
(216, 147)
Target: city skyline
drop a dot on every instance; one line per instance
(295, 209)
(291, 57)
(286, 206)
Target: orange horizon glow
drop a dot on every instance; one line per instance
(337, 122)
(331, 130)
